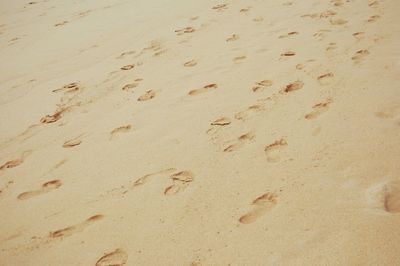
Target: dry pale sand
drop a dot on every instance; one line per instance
(181, 132)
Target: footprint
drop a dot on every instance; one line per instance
(61, 23)
(150, 94)
(325, 79)
(117, 257)
(16, 162)
(261, 85)
(243, 115)
(220, 7)
(181, 181)
(238, 59)
(185, 30)
(261, 206)
(144, 179)
(318, 109)
(128, 67)
(129, 87)
(243, 139)
(272, 150)
(359, 56)
(46, 187)
(119, 130)
(294, 86)
(190, 63)
(70, 230)
(72, 142)
(221, 122)
(374, 4)
(288, 53)
(385, 196)
(292, 33)
(206, 88)
(71, 87)
(245, 10)
(338, 21)
(52, 118)
(233, 37)
(359, 35)
(390, 112)
(124, 54)
(373, 18)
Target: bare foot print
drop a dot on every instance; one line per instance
(318, 109)
(185, 30)
(359, 56)
(294, 86)
(144, 179)
(243, 115)
(46, 187)
(180, 181)
(273, 150)
(119, 130)
(238, 59)
(385, 196)
(261, 85)
(60, 23)
(71, 87)
(52, 118)
(128, 67)
(117, 257)
(150, 94)
(243, 139)
(16, 162)
(124, 54)
(206, 88)
(325, 79)
(70, 230)
(359, 35)
(261, 206)
(373, 18)
(221, 122)
(233, 37)
(289, 34)
(129, 87)
(288, 53)
(220, 7)
(73, 142)
(190, 63)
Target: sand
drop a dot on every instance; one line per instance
(183, 132)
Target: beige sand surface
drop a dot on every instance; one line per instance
(177, 132)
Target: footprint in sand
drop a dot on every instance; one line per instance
(217, 124)
(60, 23)
(338, 21)
(294, 86)
(273, 150)
(261, 85)
(289, 34)
(73, 142)
(389, 112)
(239, 59)
(185, 30)
(374, 4)
(359, 35)
(206, 88)
(220, 7)
(261, 206)
(119, 130)
(288, 53)
(52, 118)
(325, 79)
(385, 196)
(117, 257)
(233, 37)
(128, 67)
(359, 56)
(146, 178)
(181, 181)
(70, 230)
(373, 18)
(46, 187)
(150, 94)
(337, 2)
(16, 162)
(190, 63)
(318, 109)
(243, 139)
(124, 54)
(71, 87)
(243, 115)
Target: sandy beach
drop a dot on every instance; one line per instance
(183, 132)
